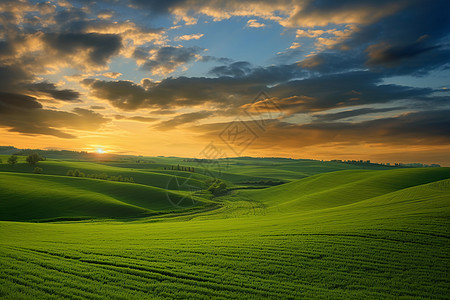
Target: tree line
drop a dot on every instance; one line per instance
(31, 159)
(180, 168)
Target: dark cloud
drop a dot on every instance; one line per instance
(209, 58)
(122, 94)
(25, 115)
(387, 38)
(156, 6)
(166, 59)
(388, 54)
(51, 90)
(183, 119)
(341, 90)
(178, 92)
(308, 13)
(324, 12)
(352, 113)
(11, 77)
(6, 48)
(409, 42)
(97, 107)
(315, 93)
(10, 103)
(237, 69)
(100, 47)
(419, 128)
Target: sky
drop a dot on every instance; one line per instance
(319, 79)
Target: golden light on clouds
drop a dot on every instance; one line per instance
(351, 80)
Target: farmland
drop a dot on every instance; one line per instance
(325, 230)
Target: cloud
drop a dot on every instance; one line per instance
(97, 107)
(122, 94)
(51, 90)
(327, 38)
(342, 90)
(23, 114)
(183, 119)
(94, 48)
(188, 37)
(429, 128)
(132, 35)
(112, 75)
(323, 13)
(13, 79)
(253, 23)
(142, 119)
(385, 54)
(237, 69)
(105, 14)
(289, 55)
(330, 117)
(292, 14)
(68, 37)
(136, 118)
(236, 84)
(359, 45)
(165, 60)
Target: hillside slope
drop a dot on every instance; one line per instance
(35, 197)
(156, 179)
(341, 188)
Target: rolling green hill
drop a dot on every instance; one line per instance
(343, 187)
(155, 179)
(33, 197)
(353, 233)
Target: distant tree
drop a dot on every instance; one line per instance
(77, 173)
(38, 170)
(1, 161)
(34, 158)
(217, 187)
(70, 173)
(12, 160)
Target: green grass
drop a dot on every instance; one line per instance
(341, 234)
(156, 179)
(343, 187)
(33, 197)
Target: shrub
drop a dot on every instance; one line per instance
(34, 158)
(217, 187)
(12, 159)
(38, 170)
(77, 173)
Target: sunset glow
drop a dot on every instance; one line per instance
(168, 77)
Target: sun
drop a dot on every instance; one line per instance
(100, 151)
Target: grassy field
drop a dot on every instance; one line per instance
(332, 231)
